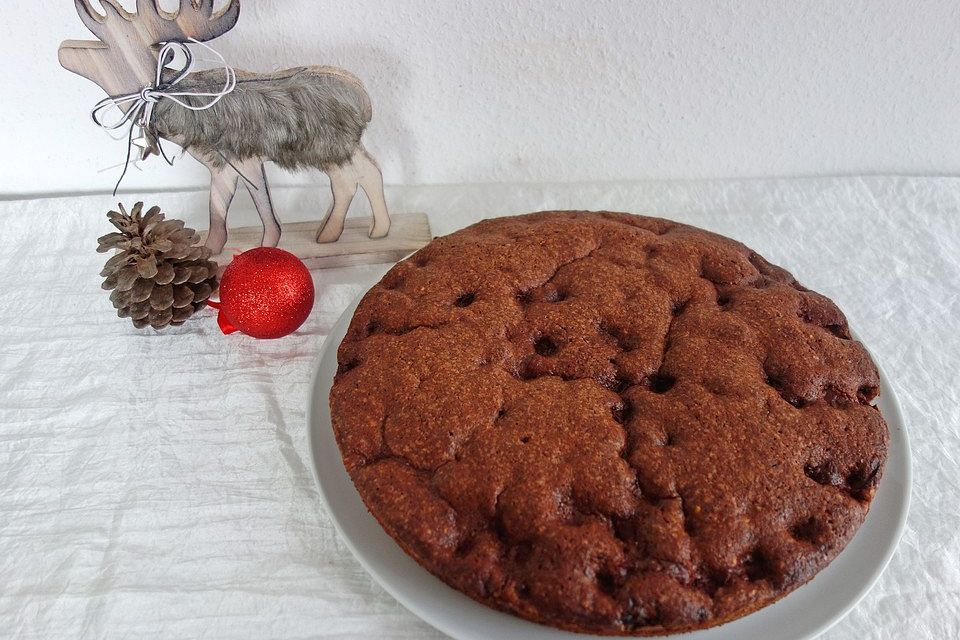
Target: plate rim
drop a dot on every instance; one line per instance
(892, 413)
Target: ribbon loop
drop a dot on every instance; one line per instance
(137, 108)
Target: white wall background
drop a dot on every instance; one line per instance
(549, 91)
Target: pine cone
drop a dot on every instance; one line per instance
(158, 275)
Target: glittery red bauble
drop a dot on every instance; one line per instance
(265, 293)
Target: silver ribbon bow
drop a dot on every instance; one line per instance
(137, 108)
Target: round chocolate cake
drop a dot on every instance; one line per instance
(607, 422)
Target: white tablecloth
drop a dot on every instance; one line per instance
(158, 484)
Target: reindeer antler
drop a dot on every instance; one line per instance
(98, 23)
(151, 24)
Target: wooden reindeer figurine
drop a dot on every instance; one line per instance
(299, 118)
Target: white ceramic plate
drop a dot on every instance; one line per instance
(805, 613)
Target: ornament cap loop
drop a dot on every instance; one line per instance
(225, 325)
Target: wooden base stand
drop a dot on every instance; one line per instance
(408, 232)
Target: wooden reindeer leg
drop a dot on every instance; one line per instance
(371, 180)
(223, 184)
(343, 184)
(260, 193)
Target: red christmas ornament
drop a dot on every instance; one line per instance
(264, 293)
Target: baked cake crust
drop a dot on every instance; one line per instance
(607, 422)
